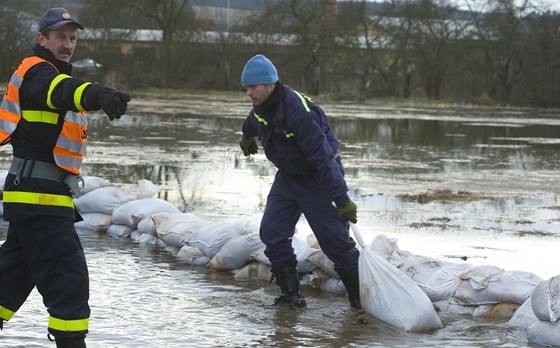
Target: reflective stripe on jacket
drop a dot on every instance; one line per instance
(71, 143)
(296, 136)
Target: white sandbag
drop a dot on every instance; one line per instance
(523, 316)
(391, 296)
(545, 299)
(192, 256)
(420, 268)
(447, 307)
(146, 189)
(319, 259)
(96, 222)
(497, 311)
(388, 249)
(93, 183)
(146, 239)
(103, 200)
(236, 252)
(121, 231)
(322, 281)
(260, 257)
(132, 212)
(248, 225)
(147, 225)
(175, 230)
(212, 237)
(545, 333)
(150, 223)
(443, 283)
(253, 271)
(3, 176)
(303, 251)
(333, 286)
(474, 282)
(487, 285)
(312, 241)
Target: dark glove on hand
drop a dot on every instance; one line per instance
(248, 145)
(349, 212)
(114, 103)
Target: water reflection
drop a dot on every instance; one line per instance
(143, 296)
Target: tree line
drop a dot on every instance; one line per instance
(497, 51)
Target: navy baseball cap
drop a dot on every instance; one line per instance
(58, 17)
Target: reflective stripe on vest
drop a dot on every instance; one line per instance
(71, 143)
(38, 198)
(68, 325)
(6, 314)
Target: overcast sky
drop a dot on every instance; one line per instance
(552, 5)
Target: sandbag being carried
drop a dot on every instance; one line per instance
(389, 250)
(389, 295)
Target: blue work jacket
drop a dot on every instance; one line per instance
(298, 139)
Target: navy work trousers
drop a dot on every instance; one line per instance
(289, 197)
(45, 251)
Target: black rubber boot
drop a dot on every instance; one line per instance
(351, 282)
(70, 343)
(288, 280)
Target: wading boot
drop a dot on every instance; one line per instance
(70, 343)
(288, 280)
(351, 282)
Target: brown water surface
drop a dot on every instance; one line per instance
(457, 183)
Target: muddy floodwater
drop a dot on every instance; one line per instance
(461, 184)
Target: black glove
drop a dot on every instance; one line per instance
(114, 103)
(248, 145)
(349, 212)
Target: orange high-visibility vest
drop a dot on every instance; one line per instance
(71, 143)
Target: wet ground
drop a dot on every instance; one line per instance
(464, 184)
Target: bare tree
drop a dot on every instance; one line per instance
(17, 35)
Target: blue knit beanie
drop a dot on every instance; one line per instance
(259, 70)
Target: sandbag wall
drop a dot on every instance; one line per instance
(235, 246)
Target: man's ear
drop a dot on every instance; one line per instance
(40, 38)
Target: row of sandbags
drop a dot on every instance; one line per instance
(540, 314)
(135, 212)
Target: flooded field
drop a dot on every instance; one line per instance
(462, 184)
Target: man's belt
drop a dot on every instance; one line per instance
(28, 168)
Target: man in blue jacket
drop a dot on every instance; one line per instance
(296, 136)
